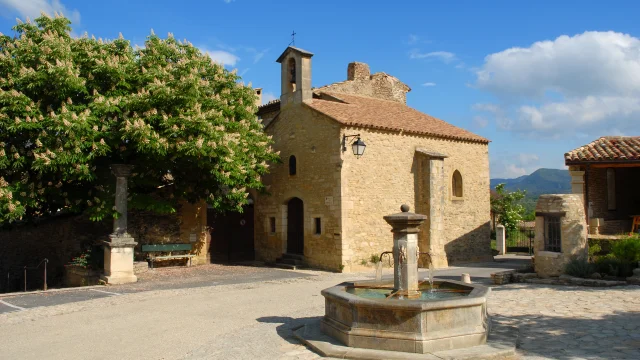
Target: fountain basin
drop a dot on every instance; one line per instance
(407, 325)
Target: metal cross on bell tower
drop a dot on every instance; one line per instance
(293, 38)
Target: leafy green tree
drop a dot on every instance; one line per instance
(507, 207)
(71, 107)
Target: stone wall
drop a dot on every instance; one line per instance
(186, 225)
(389, 174)
(61, 238)
(627, 197)
(58, 239)
(315, 142)
(378, 85)
(573, 229)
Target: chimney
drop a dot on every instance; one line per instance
(358, 71)
(259, 95)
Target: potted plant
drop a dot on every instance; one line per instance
(82, 270)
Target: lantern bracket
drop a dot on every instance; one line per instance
(344, 140)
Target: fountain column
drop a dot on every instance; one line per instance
(405, 250)
(118, 251)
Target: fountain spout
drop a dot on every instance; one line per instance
(405, 251)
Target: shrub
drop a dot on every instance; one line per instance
(579, 267)
(374, 259)
(594, 250)
(612, 266)
(628, 249)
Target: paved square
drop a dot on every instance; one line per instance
(254, 320)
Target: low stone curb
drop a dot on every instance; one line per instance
(50, 291)
(501, 344)
(512, 276)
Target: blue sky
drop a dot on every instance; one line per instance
(538, 79)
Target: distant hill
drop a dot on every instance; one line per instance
(541, 181)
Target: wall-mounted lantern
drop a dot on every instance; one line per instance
(357, 146)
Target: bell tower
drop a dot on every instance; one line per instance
(295, 76)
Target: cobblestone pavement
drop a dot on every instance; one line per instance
(255, 321)
(561, 322)
(570, 322)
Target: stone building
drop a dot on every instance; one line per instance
(606, 174)
(326, 204)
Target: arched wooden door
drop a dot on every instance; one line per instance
(295, 226)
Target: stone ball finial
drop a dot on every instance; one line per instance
(404, 208)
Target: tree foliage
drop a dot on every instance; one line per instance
(71, 107)
(507, 207)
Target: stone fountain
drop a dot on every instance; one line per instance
(387, 319)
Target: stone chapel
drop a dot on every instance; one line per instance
(325, 202)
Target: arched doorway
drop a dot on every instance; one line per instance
(295, 226)
(232, 234)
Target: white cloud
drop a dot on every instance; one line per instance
(429, 84)
(228, 1)
(513, 171)
(480, 121)
(587, 83)
(33, 8)
(511, 165)
(443, 56)
(268, 96)
(221, 56)
(528, 159)
(413, 39)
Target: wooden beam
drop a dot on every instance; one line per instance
(614, 165)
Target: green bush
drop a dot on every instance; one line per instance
(579, 267)
(628, 249)
(612, 266)
(594, 250)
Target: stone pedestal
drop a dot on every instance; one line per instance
(564, 237)
(118, 251)
(118, 260)
(405, 250)
(501, 243)
(577, 181)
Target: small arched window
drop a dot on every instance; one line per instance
(292, 165)
(456, 186)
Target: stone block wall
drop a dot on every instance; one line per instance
(618, 220)
(314, 140)
(58, 239)
(378, 85)
(61, 238)
(573, 229)
(187, 224)
(389, 175)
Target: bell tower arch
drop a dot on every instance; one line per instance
(295, 76)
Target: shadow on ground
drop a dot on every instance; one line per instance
(288, 325)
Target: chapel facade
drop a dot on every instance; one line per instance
(325, 203)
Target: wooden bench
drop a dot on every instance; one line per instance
(168, 248)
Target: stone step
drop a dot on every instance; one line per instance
(286, 266)
(290, 261)
(293, 256)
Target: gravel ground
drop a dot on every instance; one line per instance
(254, 321)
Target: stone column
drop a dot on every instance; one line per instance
(405, 250)
(577, 181)
(118, 251)
(438, 191)
(501, 243)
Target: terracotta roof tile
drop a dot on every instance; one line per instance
(607, 149)
(353, 110)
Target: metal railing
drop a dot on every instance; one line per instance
(25, 275)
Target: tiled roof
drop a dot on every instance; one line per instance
(373, 113)
(607, 149)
